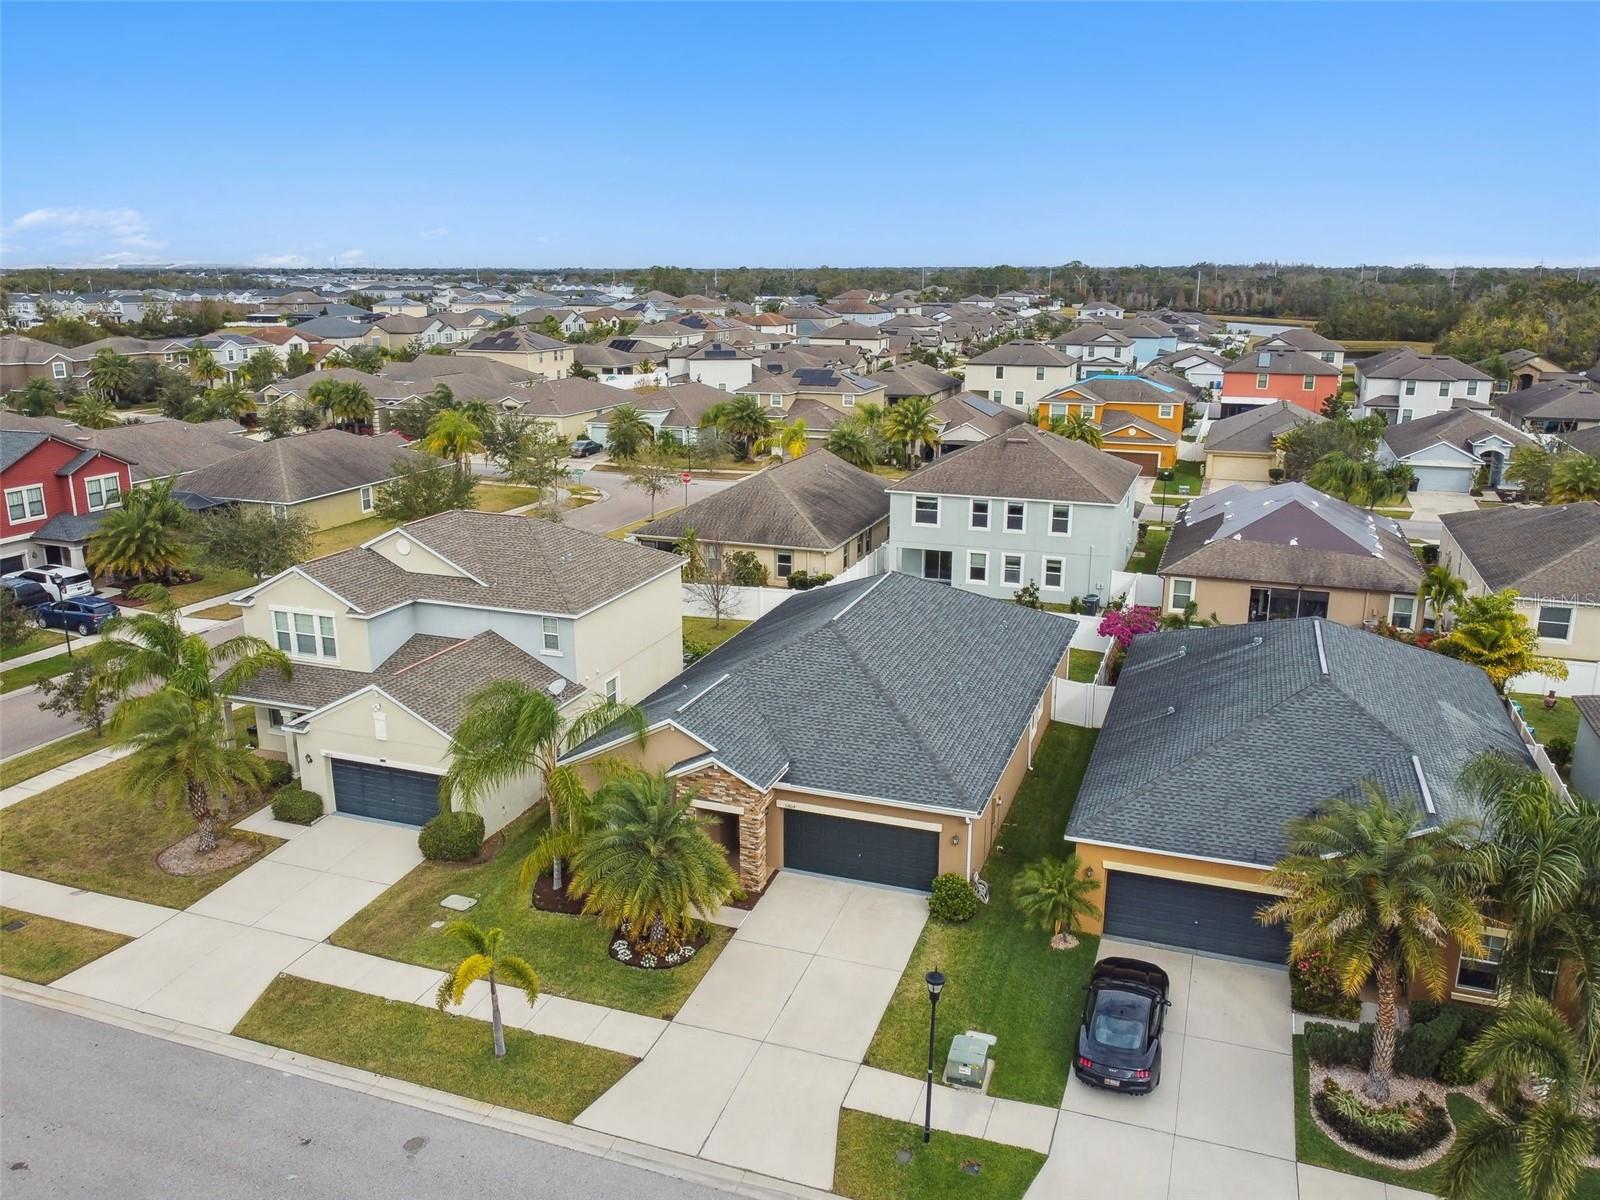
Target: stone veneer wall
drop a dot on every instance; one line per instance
(713, 783)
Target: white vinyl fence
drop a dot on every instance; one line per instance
(1540, 758)
(1583, 679)
(739, 603)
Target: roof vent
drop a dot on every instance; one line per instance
(1238, 537)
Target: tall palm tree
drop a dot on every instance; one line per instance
(1441, 591)
(261, 368)
(486, 961)
(92, 411)
(142, 539)
(912, 424)
(509, 730)
(453, 435)
(1359, 481)
(851, 441)
(1076, 427)
(1367, 886)
(109, 374)
(627, 432)
(350, 405)
(182, 755)
(742, 419)
(203, 365)
(871, 414)
(788, 440)
(1575, 478)
(1547, 1128)
(1054, 892)
(648, 865)
(36, 399)
(233, 401)
(1491, 633)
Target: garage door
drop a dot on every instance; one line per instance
(1147, 463)
(1443, 479)
(388, 793)
(866, 850)
(1195, 916)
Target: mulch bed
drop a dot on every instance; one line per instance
(748, 901)
(184, 858)
(697, 942)
(547, 899)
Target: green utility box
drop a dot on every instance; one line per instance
(968, 1063)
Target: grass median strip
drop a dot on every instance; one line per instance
(546, 1076)
(43, 949)
(37, 762)
(31, 673)
(869, 1167)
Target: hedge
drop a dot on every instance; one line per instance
(296, 805)
(1339, 1046)
(452, 837)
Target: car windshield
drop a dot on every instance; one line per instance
(1120, 1020)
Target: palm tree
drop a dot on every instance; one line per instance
(261, 368)
(1440, 590)
(911, 424)
(1077, 428)
(109, 374)
(627, 432)
(1054, 892)
(231, 400)
(509, 730)
(36, 399)
(851, 441)
(688, 545)
(203, 365)
(141, 539)
(788, 440)
(92, 411)
(453, 435)
(647, 866)
(1549, 1135)
(1575, 478)
(1367, 886)
(1359, 481)
(742, 419)
(350, 404)
(182, 754)
(1491, 633)
(486, 962)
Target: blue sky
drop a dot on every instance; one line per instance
(794, 135)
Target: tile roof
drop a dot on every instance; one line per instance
(1549, 552)
(1029, 464)
(293, 469)
(1253, 432)
(1218, 736)
(814, 502)
(784, 698)
(1459, 427)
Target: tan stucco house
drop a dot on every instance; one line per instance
(522, 347)
(1244, 448)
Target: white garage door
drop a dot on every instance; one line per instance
(1443, 479)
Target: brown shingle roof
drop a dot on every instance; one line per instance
(1254, 432)
(290, 470)
(1028, 464)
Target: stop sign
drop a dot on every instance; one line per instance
(685, 477)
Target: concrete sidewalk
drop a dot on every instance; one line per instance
(46, 780)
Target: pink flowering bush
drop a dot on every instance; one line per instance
(1125, 624)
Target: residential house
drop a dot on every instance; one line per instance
(815, 514)
(1026, 506)
(967, 418)
(807, 319)
(56, 493)
(1404, 385)
(1096, 349)
(915, 379)
(1550, 556)
(696, 303)
(686, 405)
(872, 341)
(1242, 555)
(401, 306)
(1586, 748)
(23, 358)
(715, 364)
(1450, 451)
(1244, 448)
(1308, 341)
(857, 311)
(1020, 373)
(1140, 419)
(823, 737)
(770, 323)
(1217, 738)
(620, 368)
(1100, 310)
(341, 332)
(1524, 368)
(285, 339)
(1262, 376)
(574, 406)
(667, 335)
(390, 638)
(1148, 338)
(1200, 367)
(522, 347)
(155, 448)
(1555, 406)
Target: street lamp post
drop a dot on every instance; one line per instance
(935, 982)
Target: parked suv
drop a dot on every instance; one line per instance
(25, 593)
(63, 583)
(85, 615)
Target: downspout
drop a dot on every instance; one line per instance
(969, 849)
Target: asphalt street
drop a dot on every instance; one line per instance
(91, 1110)
(623, 504)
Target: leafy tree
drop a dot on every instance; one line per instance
(485, 960)
(421, 485)
(297, 362)
(1054, 893)
(277, 420)
(538, 459)
(261, 368)
(744, 569)
(92, 411)
(1367, 886)
(36, 399)
(1574, 479)
(1076, 427)
(1028, 595)
(627, 432)
(78, 695)
(453, 435)
(232, 401)
(708, 445)
(653, 473)
(203, 365)
(1531, 466)
(788, 440)
(365, 358)
(109, 374)
(1360, 481)
(142, 539)
(911, 424)
(689, 546)
(852, 441)
(16, 625)
(741, 419)
(1306, 445)
(1491, 633)
(1440, 591)
(253, 538)
(510, 731)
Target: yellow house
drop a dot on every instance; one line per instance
(1140, 420)
(522, 347)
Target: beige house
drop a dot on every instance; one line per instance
(522, 347)
(388, 639)
(1243, 448)
(331, 476)
(570, 405)
(815, 514)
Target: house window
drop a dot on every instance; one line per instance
(1327, 356)
(1054, 572)
(1061, 518)
(1182, 594)
(305, 634)
(977, 566)
(785, 563)
(1411, 387)
(58, 369)
(1038, 373)
(999, 372)
(1482, 973)
(105, 491)
(613, 688)
(550, 635)
(775, 401)
(1019, 399)
(366, 499)
(1087, 410)
(980, 515)
(1555, 622)
(997, 396)
(275, 718)
(1444, 389)
(1308, 383)
(1403, 612)
(1166, 411)
(1261, 382)
(25, 503)
(926, 511)
(1011, 569)
(1014, 515)
(1283, 604)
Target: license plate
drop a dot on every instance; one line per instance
(1113, 1082)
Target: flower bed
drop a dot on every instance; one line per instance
(661, 955)
(1400, 1131)
(1314, 988)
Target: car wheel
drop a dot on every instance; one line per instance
(83, 629)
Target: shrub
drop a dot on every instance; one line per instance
(452, 837)
(296, 805)
(1275, 474)
(1453, 1070)
(693, 649)
(1559, 749)
(821, 577)
(800, 581)
(1028, 595)
(1424, 1044)
(1339, 1046)
(744, 569)
(279, 773)
(952, 899)
(1392, 1131)
(1314, 988)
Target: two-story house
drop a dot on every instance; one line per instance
(1262, 376)
(716, 364)
(1309, 341)
(1403, 385)
(1019, 374)
(1026, 506)
(1201, 368)
(522, 347)
(1098, 350)
(56, 492)
(1140, 419)
(388, 639)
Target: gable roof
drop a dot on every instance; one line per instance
(1023, 354)
(1549, 552)
(1218, 736)
(913, 379)
(982, 413)
(17, 444)
(784, 698)
(1458, 427)
(157, 449)
(1554, 399)
(1026, 463)
(1405, 363)
(1254, 432)
(1279, 362)
(293, 469)
(569, 396)
(814, 502)
(519, 339)
(1299, 338)
(1120, 391)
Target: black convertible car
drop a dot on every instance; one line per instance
(1119, 1044)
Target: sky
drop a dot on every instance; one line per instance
(777, 134)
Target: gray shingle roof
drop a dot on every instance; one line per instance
(1550, 552)
(1280, 362)
(1405, 363)
(1026, 463)
(785, 697)
(1253, 432)
(1023, 354)
(1589, 710)
(16, 444)
(158, 449)
(290, 470)
(516, 340)
(913, 379)
(1308, 340)
(1216, 737)
(1458, 427)
(814, 502)
(1554, 399)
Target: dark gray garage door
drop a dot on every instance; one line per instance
(1192, 915)
(388, 793)
(860, 849)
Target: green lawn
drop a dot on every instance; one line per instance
(708, 633)
(36, 762)
(219, 612)
(45, 949)
(1082, 665)
(621, 532)
(343, 537)
(87, 833)
(39, 639)
(1184, 474)
(498, 497)
(1147, 554)
(217, 581)
(569, 952)
(1561, 721)
(31, 673)
(868, 1166)
(550, 1077)
(1003, 977)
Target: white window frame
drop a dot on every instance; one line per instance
(1472, 387)
(612, 689)
(849, 401)
(1022, 509)
(1410, 387)
(999, 372)
(777, 558)
(366, 495)
(1261, 381)
(917, 511)
(1007, 562)
(1539, 623)
(1060, 566)
(549, 632)
(972, 514)
(1038, 374)
(1411, 611)
(104, 502)
(324, 628)
(1166, 411)
(58, 369)
(1502, 936)
(1055, 511)
(1020, 398)
(1444, 388)
(1308, 383)
(1086, 410)
(22, 496)
(1172, 604)
(977, 566)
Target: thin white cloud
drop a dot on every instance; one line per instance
(282, 260)
(433, 235)
(116, 222)
(351, 257)
(107, 235)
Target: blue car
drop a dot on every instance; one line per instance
(85, 615)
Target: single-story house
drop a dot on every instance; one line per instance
(967, 418)
(1243, 448)
(1447, 451)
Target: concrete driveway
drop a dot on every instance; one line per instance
(208, 964)
(1221, 1123)
(753, 1070)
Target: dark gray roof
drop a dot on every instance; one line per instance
(70, 527)
(1589, 710)
(1459, 427)
(1289, 534)
(516, 340)
(1549, 552)
(293, 469)
(969, 408)
(814, 502)
(1023, 354)
(1216, 737)
(1584, 441)
(1554, 399)
(1300, 338)
(1253, 432)
(158, 449)
(1280, 362)
(836, 689)
(1121, 390)
(1405, 363)
(1026, 463)
(16, 444)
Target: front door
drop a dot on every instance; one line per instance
(937, 565)
(57, 556)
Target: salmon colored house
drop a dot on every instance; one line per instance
(1263, 376)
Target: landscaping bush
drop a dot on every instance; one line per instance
(1559, 749)
(1338, 1046)
(1424, 1044)
(1453, 1070)
(296, 805)
(744, 569)
(694, 650)
(1314, 988)
(452, 837)
(952, 899)
(1397, 1131)
(279, 773)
